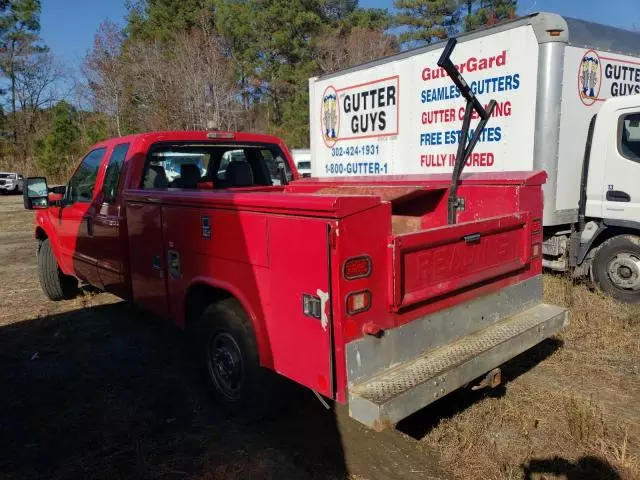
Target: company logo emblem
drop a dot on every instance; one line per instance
(330, 117)
(589, 78)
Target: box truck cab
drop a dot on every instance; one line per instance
(567, 102)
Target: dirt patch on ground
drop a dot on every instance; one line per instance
(94, 389)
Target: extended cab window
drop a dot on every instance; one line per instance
(80, 187)
(228, 157)
(112, 175)
(208, 166)
(175, 168)
(629, 137)
(275, 163)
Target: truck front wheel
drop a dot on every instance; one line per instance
(616, 268)
(55, 284)
(228, 354)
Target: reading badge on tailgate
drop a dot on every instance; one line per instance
(206, 227)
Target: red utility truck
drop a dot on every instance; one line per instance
(385, 293)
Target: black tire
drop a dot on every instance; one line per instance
(616, 268)
(55, 284)
(227, 353)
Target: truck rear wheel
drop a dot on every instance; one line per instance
(228, 355)
(55, 284)
(616, 268)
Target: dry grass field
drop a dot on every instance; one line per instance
(576, 415)
(90, 388)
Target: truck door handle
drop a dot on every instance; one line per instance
(89, 226)
(156, 264)
(471, 239)
(618, 196)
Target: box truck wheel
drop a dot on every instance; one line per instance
(228, 352)
(55, 284)
(616, 268)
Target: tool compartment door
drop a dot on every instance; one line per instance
(439, 261)
(299, 266)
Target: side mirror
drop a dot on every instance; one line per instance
(36, 193)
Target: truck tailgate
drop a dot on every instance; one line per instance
(432, 263)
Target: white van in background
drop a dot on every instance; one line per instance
(302, 159)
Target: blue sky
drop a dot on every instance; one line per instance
(68, 26)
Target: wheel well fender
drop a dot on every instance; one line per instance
(202, 292)
(607, 230)
(44, 231)
(40, 234)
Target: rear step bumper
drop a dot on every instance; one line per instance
(384, 400)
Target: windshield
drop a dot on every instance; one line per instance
(7, 175)
(304, 165)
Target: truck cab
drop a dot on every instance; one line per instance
(84, 221)
(612, 192)
(606, 242)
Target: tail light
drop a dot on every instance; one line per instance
(535, 250)
(536, 231)
(356, 267)
(358, 302)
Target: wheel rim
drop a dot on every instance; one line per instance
(226, 365)
(624, 271)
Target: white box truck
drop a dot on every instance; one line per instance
(567, 102)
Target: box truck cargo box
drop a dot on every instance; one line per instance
(549, 76)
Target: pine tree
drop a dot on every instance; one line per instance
(55, 151)
(163, 19)
(484, 13)
(19, 29)
(96, 130)
(271, 48)
(426, 21)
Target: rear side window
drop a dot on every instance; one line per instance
(274, 159)
(83, 181)
(207, 166)
(176, 168)
(629, 137)
(112, 175)
(228, 157)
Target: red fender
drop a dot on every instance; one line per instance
(43, 222)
